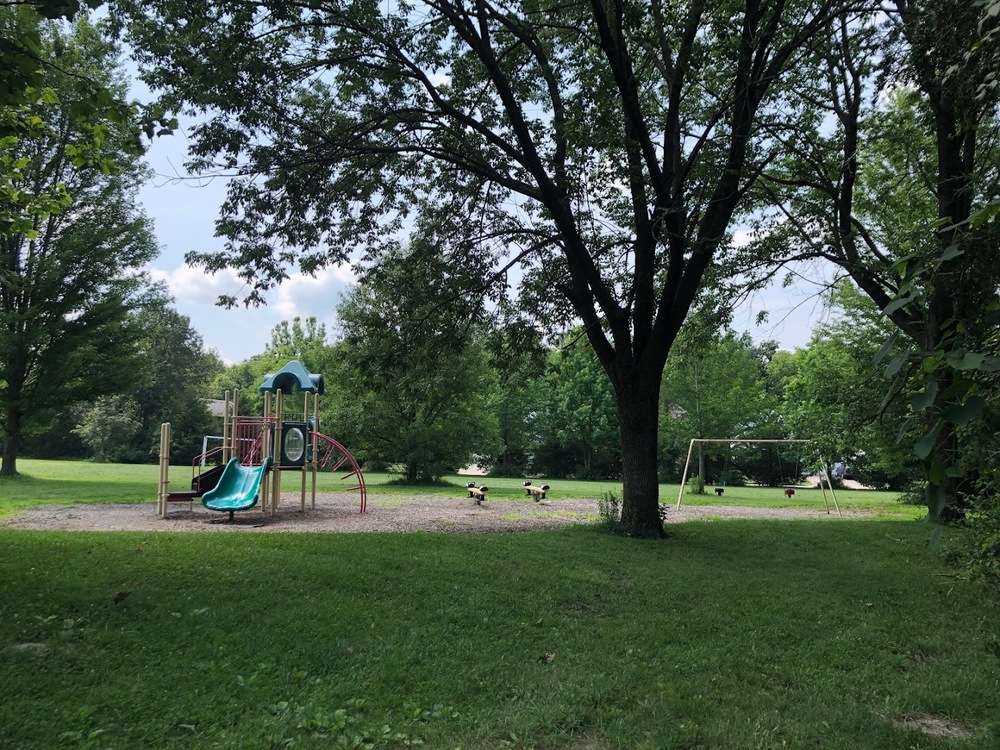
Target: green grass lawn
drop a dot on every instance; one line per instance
(735, 634)
(752, 634)
(44, 481)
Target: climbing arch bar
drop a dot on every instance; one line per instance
(687, 465)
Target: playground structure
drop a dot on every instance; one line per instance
(256, 450)
(719, 490)
(537, 492)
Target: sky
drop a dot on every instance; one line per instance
(184, 210)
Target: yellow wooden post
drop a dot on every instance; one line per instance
(305, 461)
(314, 463)
(164, 485)
(687, 464)
(822, 488)
(829, 480)
(226, 434)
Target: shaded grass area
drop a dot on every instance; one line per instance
(737, 634)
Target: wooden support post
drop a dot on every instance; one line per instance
(315, 446)
(684, 476)
(313, 443)
(164, 485)
(227, 435)
(829, 480)
(265, 450)
(822, 488)
(305, 447)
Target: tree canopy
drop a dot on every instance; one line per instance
(886, 180)
(418, 389)
(69, 277)
(603, 146)
(715, 389)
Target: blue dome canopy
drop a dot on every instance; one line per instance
(291, 375)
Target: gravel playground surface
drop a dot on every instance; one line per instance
(386, 513)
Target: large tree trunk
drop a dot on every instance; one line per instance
(637, 420)
(939, 34)
(11, 436)
(956, 158)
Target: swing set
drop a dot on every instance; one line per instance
(823, 474)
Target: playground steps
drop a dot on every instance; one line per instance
(206, 480)
(200, 484)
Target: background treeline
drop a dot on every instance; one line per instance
(518, 404)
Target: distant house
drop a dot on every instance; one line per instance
(675, 411)
(216, 407)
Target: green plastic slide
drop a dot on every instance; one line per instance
(238, 487)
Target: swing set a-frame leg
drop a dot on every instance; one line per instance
(684, 476)
(829, 480)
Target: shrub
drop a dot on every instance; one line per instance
(980, 553)
(609, 508)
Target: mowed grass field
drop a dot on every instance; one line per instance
(832, 633)
(67, 482)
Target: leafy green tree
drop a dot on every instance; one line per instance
(69, 279)
(173, 383)
(170, 382)
(243, 377)
(604, 147)
(975, 366)
(109, 426)
(887, 187)
(23, 89)
(577, 426)
(419, 390)
(518, 357)
(780, 368)
(50, 435)
(30, 62)
(717, 391)
(517, 404)
(833, 394)
(305, 341)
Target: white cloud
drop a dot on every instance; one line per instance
(742, 238)
(240, 333)
(195, 286)
(303, 296)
